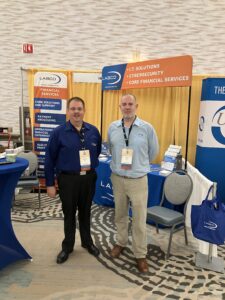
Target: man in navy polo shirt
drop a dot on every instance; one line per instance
(72, 151)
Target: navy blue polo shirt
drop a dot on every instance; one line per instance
(62, 151)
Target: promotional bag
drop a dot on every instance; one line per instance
(208, 220)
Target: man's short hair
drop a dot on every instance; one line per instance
(77, 99)
(131, 95)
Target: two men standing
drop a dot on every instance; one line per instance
(73, 150)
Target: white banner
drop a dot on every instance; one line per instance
(50, 79)
(211, 128)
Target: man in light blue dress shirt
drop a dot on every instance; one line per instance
(133, 144)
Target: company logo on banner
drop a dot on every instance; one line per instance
(218, 127)
(112, 77)
(211, 129)
(210, 151)
(50, 79)
(174, 71)
(49, 85)
(50, 99)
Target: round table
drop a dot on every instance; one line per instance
(10, 248)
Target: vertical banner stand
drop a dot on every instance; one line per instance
(187, 133)
(22, 111)
(208, 261)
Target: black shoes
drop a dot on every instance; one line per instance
(92, 249)
(62, 257)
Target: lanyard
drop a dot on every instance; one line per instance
(126, 138)
(81, 136)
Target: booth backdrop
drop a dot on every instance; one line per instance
(164, 108)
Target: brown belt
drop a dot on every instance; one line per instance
(128, 177)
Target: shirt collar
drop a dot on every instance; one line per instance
(137, 122)
(69, 126)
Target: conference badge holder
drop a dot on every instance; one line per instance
(85, 161)
(126, 158)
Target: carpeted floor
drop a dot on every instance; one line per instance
(176, 278)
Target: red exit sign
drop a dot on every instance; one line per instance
(28, 48)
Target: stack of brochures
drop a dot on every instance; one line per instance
(170, 157)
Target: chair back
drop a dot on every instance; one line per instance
(177, 188)
(32, 158)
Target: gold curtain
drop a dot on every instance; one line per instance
(111, 110)
(165, 108)
(181, 96)
(155, 105)
(91, 94)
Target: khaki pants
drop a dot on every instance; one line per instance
(135, 191)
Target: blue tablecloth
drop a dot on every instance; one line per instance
(10, 248)
(104, 192)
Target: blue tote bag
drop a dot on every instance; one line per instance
(208, 220)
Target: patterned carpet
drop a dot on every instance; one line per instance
(25, 208)
(176, 278)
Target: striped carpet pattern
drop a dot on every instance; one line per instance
(25, 208)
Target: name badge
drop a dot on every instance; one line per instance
(126, 158)
(85, 161)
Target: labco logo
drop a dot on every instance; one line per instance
(50, 79)
(113, 78)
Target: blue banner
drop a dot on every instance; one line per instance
(210, 153)
(112, 77)
(50, 104)
(42, 132)
(213, 89)
(40, 146)
(48, 118)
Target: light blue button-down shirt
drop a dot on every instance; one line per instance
(144, 142)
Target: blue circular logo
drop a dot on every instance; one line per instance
(218, 125)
